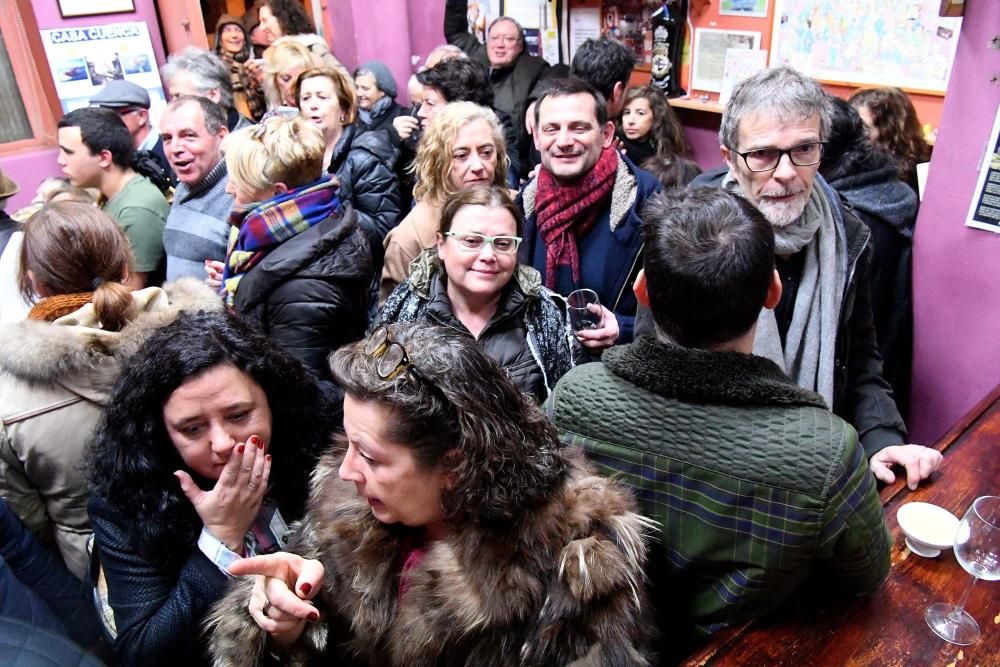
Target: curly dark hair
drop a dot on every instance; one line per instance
(458, 399)
(133, 458)
(667, 134)
(848, 150)
(459, 80)
(898, 127)
(291, 16)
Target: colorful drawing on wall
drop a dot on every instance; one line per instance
(985, 210)
(756, 8)
(84, 59)
(710, 47)
(867, 42)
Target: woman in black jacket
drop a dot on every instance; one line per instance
(299, 267)
(184, 480)
(376, 89)
(362, 161)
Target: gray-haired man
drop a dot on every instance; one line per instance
(821, 332)
(201, 73)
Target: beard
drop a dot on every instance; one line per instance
(783, 214)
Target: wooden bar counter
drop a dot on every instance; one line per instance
(888, 628)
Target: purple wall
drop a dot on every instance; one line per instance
(31, 167)
(956, 293)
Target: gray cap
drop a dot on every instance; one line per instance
(383, 77)
(120, 93)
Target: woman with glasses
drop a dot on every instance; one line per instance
(203, 458)
(299, 267)
(447, 527)
(472, 282)
(462, 147)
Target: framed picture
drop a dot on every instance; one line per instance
(709, 61)
(69, 8)
(754, 8)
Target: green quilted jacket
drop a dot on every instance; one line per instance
(754, 483)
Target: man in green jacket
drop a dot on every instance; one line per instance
(754, 482)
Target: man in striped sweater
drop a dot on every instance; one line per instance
(754, 482)
(197, 227)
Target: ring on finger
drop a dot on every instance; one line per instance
(266, 608)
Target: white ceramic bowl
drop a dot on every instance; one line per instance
(928, 528)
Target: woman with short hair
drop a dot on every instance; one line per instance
(463, 146)
(448, 526)
(376, 89)
(299, 267)
(202, 458)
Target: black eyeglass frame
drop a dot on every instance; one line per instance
(782, 152)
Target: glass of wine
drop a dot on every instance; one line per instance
(977, 549)
(584, 309)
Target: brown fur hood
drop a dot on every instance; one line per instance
(75, 352)
(565, 585)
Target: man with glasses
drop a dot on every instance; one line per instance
(513, 72)
(131, 102)
(821, 332)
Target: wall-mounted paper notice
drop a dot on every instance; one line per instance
(740, 64)
(526, 12)
(584, 24)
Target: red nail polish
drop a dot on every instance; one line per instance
(268, 458)
(260, 444)
(254, 440)
(239, 450)
(306, 588)
(312, 617)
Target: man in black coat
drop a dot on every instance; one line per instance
(821, 332)
(513, 73)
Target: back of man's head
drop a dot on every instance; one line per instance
(102, 129)
(602, 63)
(205, 71)
(459, 80)
(782, 92)
(709, 261)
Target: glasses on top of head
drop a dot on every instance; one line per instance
(391, 357)
(766, 159)
(473, 242)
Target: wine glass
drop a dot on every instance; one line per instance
(581, 314)
(977, 549)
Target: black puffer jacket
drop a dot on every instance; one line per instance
(362, 162)
(310, 294)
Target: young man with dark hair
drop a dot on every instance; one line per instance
(581, 211)
(95, 151)
(754, 482)
(607, 65)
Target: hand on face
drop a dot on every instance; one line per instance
(603, 337)
(286, 584)
(229, 509)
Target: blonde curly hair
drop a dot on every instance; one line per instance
(432, 165)
(276, 150)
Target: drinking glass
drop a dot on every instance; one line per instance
(580, 314)
(977, 549)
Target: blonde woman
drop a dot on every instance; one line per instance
(298, 267)
(462, 147)
(285, 60)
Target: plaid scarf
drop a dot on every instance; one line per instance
(255, 232)
(568, 212)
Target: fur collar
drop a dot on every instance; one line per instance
(623, 195)
(75, 344)
(687, 374)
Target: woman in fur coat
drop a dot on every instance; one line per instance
(58, 366)
(448, 527)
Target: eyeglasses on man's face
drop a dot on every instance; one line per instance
(766, 159)
(391, 357)
(473, 242)
(506, 39)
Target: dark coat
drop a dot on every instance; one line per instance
(362, 162)
(22, 645)
(888, 207)
(513, 84)
(310, 294)
(611, 254)
(384, 120)
(861, 396)
(561, 585)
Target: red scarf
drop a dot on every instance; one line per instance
(566, 213)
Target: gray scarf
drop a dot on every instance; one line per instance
(810, 343)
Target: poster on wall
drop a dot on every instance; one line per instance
(710, 47)
(755, 8)
(985, 210)
(740, 64)
(480, 14)
(82, 60)
(867, 42)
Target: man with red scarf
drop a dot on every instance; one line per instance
(582, 226)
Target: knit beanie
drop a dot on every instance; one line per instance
(383, 77)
